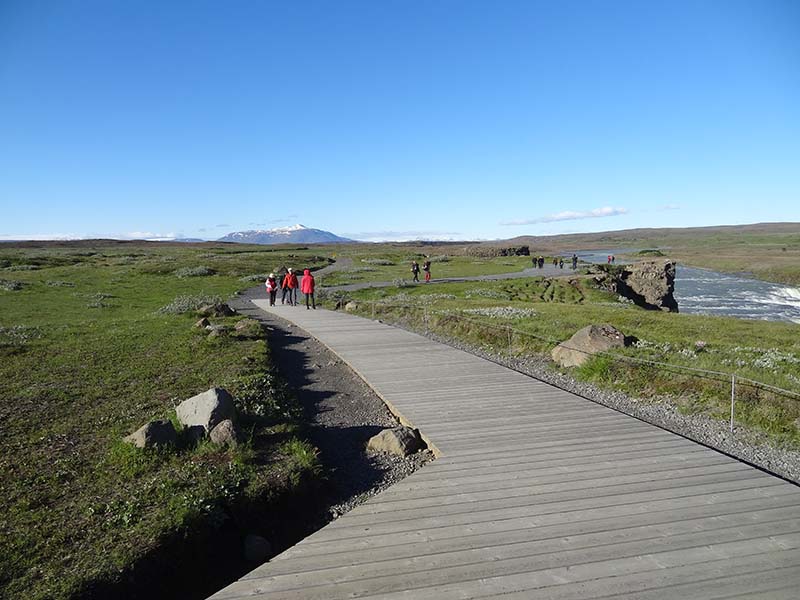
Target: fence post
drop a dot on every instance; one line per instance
(372, 304)
(733, 396)
(425, 318)
(510, 338)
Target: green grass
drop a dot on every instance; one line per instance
(92, 357)
(768, 352)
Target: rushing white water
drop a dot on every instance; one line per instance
(701, 291)
(709, 292)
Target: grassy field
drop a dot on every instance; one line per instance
(96, 340)
(530, 316)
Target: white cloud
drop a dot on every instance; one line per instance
(39, 237)
(571, 215)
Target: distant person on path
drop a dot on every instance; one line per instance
(415, 270)
(290, 285)
(561, 263)
(284, 287)
(541, 262)
(426, 266)
(555, 261)
(613, 259)
(574, 261)
(609, 259)
(272, 288)
(307, 287)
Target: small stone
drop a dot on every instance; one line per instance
(153, 434)
(224, 434)
(202, 323)
(256, 548)
(400, 441)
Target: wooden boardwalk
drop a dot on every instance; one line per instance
(537, 493)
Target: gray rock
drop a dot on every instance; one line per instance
(217, 330)
(216, 310)
(207, 409)
(225, 434)
(256, 548)
(585, 342)
(401, 441)
(649, 284)
(153, 434)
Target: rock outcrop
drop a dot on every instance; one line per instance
(401, 441)
(207, 409)
(585, 342)
(649, 284)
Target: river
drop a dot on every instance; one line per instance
(702, 291)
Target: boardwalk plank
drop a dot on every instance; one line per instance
(538, 493)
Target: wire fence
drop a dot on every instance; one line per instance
(760, 403)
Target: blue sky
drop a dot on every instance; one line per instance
(396, 120)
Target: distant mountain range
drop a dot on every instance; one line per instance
(295, 234)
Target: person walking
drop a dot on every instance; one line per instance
(307, 287)
(561, 263)
(415, 270)
(272, 288)
(284, 287)
(541, 262)
(574, 261)
(292, 284)
(426, 266)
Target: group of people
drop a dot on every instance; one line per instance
(426, 266)
(538, 262)
(289, 285)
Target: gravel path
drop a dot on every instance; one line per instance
(342, 413)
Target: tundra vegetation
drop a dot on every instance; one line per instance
(97, 339)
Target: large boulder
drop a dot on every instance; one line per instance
(207, 409)
(587, 341)
(401, 441)
(153, 434)
(649, 283)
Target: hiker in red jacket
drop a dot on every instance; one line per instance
(307, 287)
(290, 286)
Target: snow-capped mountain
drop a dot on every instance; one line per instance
(294, 234)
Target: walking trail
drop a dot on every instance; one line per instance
(537, 493)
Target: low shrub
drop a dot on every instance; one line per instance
(194, 272)
(10, 285)
(185, 304)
